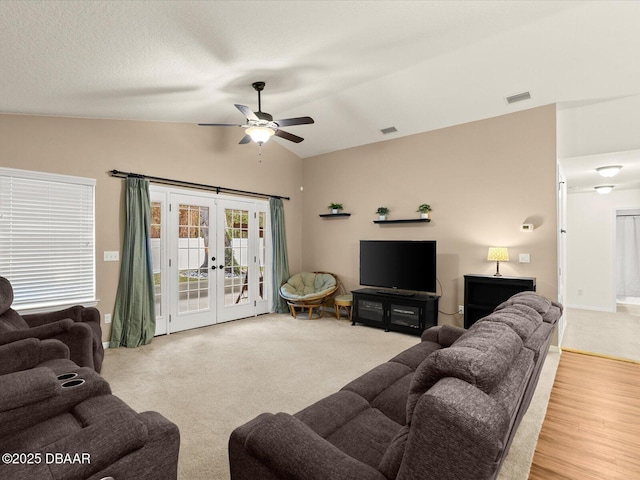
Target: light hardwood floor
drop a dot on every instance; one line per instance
(592, 427)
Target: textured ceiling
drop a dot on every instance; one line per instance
(354, 66)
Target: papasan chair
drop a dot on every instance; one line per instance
(308, 290)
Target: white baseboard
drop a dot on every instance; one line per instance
(587, 307)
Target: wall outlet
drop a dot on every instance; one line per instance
(107, 318)
(461, 309)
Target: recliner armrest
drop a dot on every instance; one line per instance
(29, 353)
(42, 332)
(27, 387)
(293, 451)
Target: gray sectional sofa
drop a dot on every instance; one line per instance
(446, 408)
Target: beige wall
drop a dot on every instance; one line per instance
(90, 148)
(482, 179)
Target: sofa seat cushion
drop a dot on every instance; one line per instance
(366, 437)
(385, 387)
(347, 421)
(329, 414)
(480, 357)
(412, 357)
(306, 285)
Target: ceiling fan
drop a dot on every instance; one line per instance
(260, 125)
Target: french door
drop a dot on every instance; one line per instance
(242, 259)
(209, 259)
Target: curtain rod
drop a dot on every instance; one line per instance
(200, 186)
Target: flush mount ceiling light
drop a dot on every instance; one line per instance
(609, 171)
(604, 189)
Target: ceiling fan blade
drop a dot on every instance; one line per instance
(288, 136)
(287, 122)
(247, 112)
(245, 139)
(219, 125)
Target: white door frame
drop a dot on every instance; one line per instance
(164, 255)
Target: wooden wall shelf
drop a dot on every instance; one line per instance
(405, 220)
(332, 215)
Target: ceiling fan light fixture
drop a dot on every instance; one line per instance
(609, 171)
(260, 135)
(602, 189)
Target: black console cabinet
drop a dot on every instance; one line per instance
(483, 293)
(406, 314)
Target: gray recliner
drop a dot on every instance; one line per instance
(77, 327)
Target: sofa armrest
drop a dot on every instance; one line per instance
(41, 332)
(293, 451)
(457, 431)
(24, 388)
(81, 454)
(445, 335)
(29, 353)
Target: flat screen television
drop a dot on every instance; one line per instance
(398, 264)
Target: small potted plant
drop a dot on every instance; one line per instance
(335, 207)
(424, 210)
(382, 213)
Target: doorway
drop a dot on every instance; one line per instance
(627, 271)
(210, 255)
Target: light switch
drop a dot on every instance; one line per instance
(113, 256)
(525, 258)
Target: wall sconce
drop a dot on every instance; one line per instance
(498, 254)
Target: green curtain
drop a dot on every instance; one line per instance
(280, 258)
(134, 316)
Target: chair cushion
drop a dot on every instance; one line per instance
(306, 285)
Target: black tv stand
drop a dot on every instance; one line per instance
(394, 311)
(396, 293)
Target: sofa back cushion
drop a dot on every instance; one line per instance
(531, 299)
(6, 295)
(522, 319)
(480, 357)
(11, 321)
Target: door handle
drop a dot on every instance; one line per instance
(220, 267)
(213, 259)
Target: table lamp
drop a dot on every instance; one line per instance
(498, 254)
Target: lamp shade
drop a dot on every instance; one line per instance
(260, 134)
(498, 254)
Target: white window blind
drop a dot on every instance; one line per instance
(47, 238)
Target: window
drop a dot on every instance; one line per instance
(47, 238)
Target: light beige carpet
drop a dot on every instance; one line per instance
(211, 380)
(604, 333)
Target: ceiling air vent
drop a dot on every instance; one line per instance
(519, 97)
(388, 130)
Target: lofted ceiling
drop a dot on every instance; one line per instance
(356, 67)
